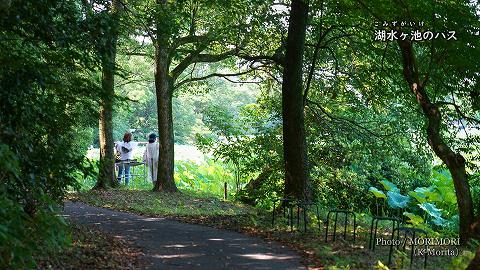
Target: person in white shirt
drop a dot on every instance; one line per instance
(150, 157)
(125, 149)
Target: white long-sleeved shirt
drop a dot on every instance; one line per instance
(125, 149)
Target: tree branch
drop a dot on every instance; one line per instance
(457, 109)
(337, 118)
(198, 57)
(277, 59)
(138, 54)
(134, 81)
(223, 75)
(134, 16)
(315, 55)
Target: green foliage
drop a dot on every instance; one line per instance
(397, 200)
(247, 136)
(378, 193)
(475, 188)
(444, 192)
(343, 189)
(17, 228)
(47, 101)
(208, 176)
(389, 186)
(362, 122)
(436, 203)
(418, 195)
(415, 220)
(462, 261)
(431, 209)
(194, 106)
(48, 86)
(205, 176)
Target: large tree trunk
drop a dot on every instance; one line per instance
(164, 91)
(106, 175)
(476, 227)
(454, 161)
(475, 263)
(294, 144)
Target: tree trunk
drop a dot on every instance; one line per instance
(475, 263)
(294, 144)
(106, 175)
(454, 161)
(164, 91)
(476, 227)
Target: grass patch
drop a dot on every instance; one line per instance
(178, 204)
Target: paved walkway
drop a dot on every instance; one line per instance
(170, 244)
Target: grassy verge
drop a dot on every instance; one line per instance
(203, 209)
(179, 204)
(93, 249)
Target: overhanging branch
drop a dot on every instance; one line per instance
(222, 75)
(259, 58)
(198, 57)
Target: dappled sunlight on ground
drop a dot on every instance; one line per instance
(170, 244)
(262, 256)
(177, 256)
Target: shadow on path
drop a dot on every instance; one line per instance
(169, 244)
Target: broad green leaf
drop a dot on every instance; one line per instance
(423, 190)
(439, 221)
(448, 194)
(389, 186)
(431, 209)
(397, 200)
(378, 193)
(442, 178)
(433, 195)
(413, 219)
(420, 197)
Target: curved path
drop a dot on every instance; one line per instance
(169, 244)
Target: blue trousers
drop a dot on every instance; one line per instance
(123, 170)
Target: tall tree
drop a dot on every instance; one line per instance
(164, 88)
(441, 78)
(108, 51)
(454, 160)
(294, 144)
(185, 35)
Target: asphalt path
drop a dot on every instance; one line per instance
(169, 244)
